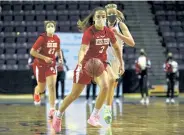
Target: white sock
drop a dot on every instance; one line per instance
(59, 114)
(109, 107)
(52, 108)
(95, 111)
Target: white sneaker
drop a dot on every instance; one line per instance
(117, 100)
(93, 102)
(167, 100)
(142, 101)
(56, 101)
(172, 100)
(147, 101)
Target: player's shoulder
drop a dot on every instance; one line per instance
(108, 29)
(42, 36)
(56, 37)
(89, 29)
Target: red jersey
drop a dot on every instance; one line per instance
(98, 41)
(47, 46)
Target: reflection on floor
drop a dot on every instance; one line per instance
(21, 117)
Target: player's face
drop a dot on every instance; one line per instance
(50, 28)
(111, 15)
(100, 18)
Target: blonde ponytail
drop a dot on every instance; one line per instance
(120, 16)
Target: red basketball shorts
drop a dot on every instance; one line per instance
(43, 71)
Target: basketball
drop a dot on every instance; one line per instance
(94, 67)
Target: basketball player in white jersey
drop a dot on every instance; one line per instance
(116, 23)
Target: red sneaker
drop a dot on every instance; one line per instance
(37, 99)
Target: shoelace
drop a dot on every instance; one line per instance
(97, 118)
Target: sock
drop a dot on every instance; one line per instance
(59, 114)
(95, 111)
(109, 107)
(52, 108)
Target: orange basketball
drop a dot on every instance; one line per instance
(94, 67)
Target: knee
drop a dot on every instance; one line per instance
(74, 96)
(105, 87)
(112, 80)
(41, 88)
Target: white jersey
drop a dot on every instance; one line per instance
(111, 55)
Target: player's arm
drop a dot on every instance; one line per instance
(34, 50)
(82, 52)
(60, 56)
(126, 36)
(84, 46)
(60, 53)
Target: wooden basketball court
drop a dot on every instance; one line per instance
(20, 117)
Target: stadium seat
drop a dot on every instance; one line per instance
(52, 15)
(6, 7)
(10, 39)
(11, 67)
(49, 6)
(27, 6)
(17, 7)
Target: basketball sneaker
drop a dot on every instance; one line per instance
(51, 113)
(172, 101)
(117, 101)
(167, 100)
(94, 121)
(107, 115)
(147, 101)
(142, 101)
(37, 99)
(56, 123)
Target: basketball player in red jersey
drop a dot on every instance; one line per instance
(95, 41)
(44, 51)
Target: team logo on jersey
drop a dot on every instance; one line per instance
(104, 41)
(49, 45)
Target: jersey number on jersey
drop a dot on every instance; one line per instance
(102, 49)
(51, 50)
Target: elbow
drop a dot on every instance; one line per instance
(31, 52)
(132, 43)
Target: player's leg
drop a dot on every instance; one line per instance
(172, 89)
(168, 90)
(110, 96)
(145, 81)
(51, 84)
(94, 92)
(80, 80)
(76, 91)
(39, 73)
(57, 85)
(141, 88)
(102, 82)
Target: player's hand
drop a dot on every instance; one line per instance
(48, 60)
(121, 69)
(60, 61)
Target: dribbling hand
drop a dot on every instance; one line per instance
(48, 60)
